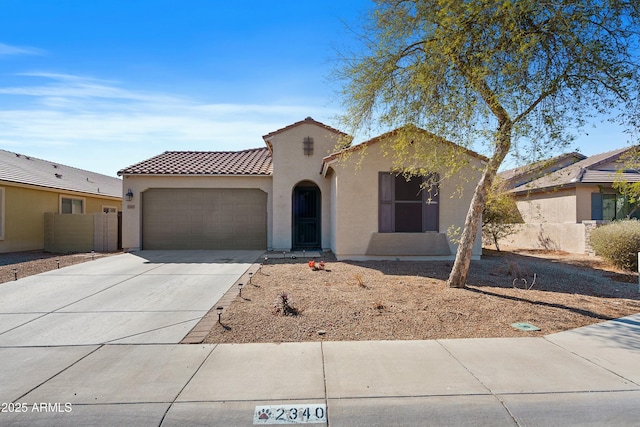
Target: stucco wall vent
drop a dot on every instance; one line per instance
(307, 146)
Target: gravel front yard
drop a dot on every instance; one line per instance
(35, 262)
(394, 300)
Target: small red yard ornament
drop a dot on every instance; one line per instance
(315, 267)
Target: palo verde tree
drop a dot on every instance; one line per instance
(510, 74)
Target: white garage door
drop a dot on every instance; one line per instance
(194, 218)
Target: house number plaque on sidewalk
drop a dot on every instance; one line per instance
(290, 414)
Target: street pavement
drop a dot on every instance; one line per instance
(84, 346)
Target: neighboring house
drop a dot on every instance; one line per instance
(31, 187)
(516, 177)
(295, 193)
(560, 204)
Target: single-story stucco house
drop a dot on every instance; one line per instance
(34, 191)
(561, 200)
(296, 193)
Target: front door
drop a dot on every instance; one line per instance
(306, 217)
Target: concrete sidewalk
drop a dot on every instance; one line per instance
(585, 377)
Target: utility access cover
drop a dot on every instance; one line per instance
(525, 326)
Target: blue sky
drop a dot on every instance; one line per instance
(101, 85)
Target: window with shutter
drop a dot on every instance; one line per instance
(405, 206)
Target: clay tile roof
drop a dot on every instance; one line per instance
(23, 169)
(255, 161)
(523, 174)
(587, 170)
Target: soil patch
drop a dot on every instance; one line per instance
(400, 300)
(28, 263)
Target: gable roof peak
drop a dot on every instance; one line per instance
(409, 128)
(307, 120)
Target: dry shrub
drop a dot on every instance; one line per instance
(360, 280)
(619, 243)
(284, 306)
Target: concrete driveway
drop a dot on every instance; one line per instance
(147, 297)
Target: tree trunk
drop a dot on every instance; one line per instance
(495, 241)
(460, 271)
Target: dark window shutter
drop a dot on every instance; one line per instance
(596, 206)
(385, 202)
(431, 206)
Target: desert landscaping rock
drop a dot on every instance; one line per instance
(401, 300)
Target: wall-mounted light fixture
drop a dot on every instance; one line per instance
(129, 195)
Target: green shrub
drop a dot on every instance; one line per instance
(618, 242)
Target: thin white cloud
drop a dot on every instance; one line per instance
(68, 86)
(6, 50)
(75, 116)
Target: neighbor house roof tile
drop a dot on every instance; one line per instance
(23, 169)
(247, 162)
(584, 171)
(521, 175)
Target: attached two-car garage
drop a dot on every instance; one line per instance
(204, 218)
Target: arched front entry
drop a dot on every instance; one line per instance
(306, 216)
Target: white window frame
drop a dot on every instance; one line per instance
(2, 212)
(109, 209)
(83, 199)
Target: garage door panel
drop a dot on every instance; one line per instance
(204, 219)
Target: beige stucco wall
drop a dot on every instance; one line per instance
(80, 232)
(132, 210)
(557, 206)
(24, 209)
(550, 236)
(356, 210)
(583, 201)
(290, 167)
